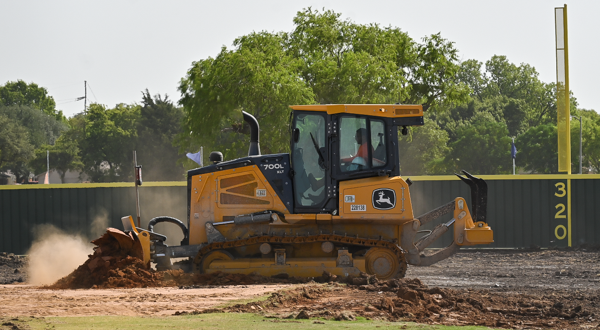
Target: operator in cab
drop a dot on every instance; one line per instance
(363, 151)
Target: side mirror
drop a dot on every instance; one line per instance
(296, 135)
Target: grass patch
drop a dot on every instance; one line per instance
(206, 321)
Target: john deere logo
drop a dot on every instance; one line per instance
(384, 199)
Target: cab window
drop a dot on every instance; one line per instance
(308, 159)
(362, 143)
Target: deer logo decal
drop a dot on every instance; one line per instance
(384, 199)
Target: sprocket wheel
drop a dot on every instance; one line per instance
(384, 264)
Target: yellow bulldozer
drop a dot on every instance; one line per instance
(336, 203)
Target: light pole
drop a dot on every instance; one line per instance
(580, 142)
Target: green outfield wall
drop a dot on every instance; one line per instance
(523, 210)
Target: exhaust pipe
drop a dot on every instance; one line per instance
(254, 149)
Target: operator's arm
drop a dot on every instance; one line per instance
(362, 152)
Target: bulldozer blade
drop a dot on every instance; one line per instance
(116, 242)
(478, 195)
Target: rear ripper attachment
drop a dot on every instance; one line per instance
(468, 229)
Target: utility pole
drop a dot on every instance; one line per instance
(84, 104)
(85, 96)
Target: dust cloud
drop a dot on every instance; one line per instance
(54, 254)
(99, 224)
(162, 201)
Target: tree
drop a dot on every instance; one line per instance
(258, 77)
(158, 126)
(345, 62)
(591, 141)
(481, 147)
(109, 140)
(41, 129)
(471, 74)
(538, 149)
(21, 93)
(15, 147)
(422, 152)
(64, 157)
(526, 100)
(323, 60)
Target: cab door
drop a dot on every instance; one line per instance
(309, 150)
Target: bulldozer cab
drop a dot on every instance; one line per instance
(335, 143)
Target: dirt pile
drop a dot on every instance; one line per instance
(12, 268)
(411, 300)
(116, 263)
(129, 272)
(414, 301)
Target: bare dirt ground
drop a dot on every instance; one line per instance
(12, 268)
(24, 300)
(558, 289)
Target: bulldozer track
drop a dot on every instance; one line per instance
(346, 240)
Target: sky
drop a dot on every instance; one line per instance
(122, 48)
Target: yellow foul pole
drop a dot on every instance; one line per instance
(563, 103)
(562, 90)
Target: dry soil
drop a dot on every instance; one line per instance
(556, 289)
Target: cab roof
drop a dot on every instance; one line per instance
(379, 110)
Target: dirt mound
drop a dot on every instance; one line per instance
(411, 300)
(12, 268)
(130, 272)
(108, 272)
(116, 263)
(414, 301)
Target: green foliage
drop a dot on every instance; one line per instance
(525, 100)
(475, 107)
(538, 149)
(591, 141)
(40, 129)
(506, 99)
(481, 147)
(21, 93)
(257, 77)
(15, 147)
(323, 60)
(110, 136)
(345, 62)
(159, 123)
(427, 147)
(64, 156)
